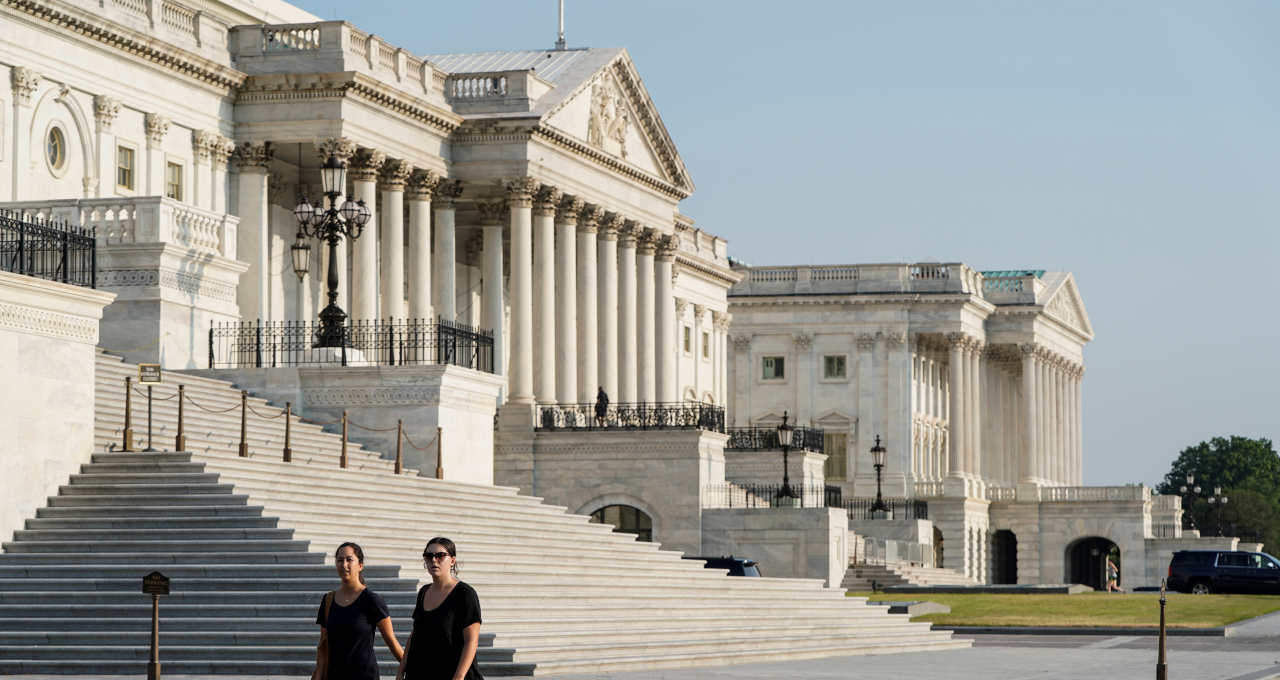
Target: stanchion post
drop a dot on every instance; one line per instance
(1162, 668)
(288, 415)
(150, 448)
(342, 460)
(128, 414)
(399, 445)
(180, 442)
(244, 424)
(439, 453)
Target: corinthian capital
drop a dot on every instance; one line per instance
(520, 190)
(610, 223)
(646, 241)
(421, 184)
(570, 208)
(394, 174)
(545, 199)
(628, 233)
(250, 155)
(204, 143)
(666, 245)
(365, 164)
(448, 191)
(105, 110)
(24, 81)
(157, 128)
(589, 218)
(341, 147)
(492, 213)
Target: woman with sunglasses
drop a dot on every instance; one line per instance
(347, 617)
(446, 622)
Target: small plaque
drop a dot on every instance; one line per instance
(155, 583)
(148, 373)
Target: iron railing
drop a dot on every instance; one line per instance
(48, 249)
(390, 342)
(735, 495)
(766, 439)
(632, 416)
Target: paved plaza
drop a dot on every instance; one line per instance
(1012, 657)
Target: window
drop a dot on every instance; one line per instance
(124, 167)
(688, 339)
(836, 446)
(56, 148)
(625, 520)
(1234, 560)
(706, 345)
(773, 368)
(173, 181)
(833, 367)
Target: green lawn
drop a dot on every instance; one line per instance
(1091, 609)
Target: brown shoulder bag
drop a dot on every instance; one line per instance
(322, 650)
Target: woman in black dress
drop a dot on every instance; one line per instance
(348, 617)
(446, 622)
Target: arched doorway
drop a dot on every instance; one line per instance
(1087, 561)
(937, 547)
(1004, 557)
(627, 520)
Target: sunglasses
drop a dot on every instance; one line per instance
(432, 556)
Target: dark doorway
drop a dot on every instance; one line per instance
(1087, 561)
(1004, 557)
(626, 520)
(937, 547)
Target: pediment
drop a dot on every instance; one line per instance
(1066, 306)
(834, 418)
(611, 112)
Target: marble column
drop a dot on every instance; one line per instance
(105, 110)
(696, 382)
(646, 385)
(394, 175)
(156, 126)
(520, 202)
(252, 237)
(957, 436)
(1028, 471)
(975, 409)
(545, 201)
(493, 308)
(588, 304)
(1079, 425)
(628, 347)
(363, 171)
(421, 184)
(444, 268)
(665, 309)
(863, 474)
(1059, 424)
(1046, 417)
(607, 302)
(25, 82)
(567, 299)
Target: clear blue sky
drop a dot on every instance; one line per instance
(1136, 144)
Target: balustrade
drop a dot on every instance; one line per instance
(146, 219)
(631, 416)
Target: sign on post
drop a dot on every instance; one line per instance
(155, 584)
(149, 374)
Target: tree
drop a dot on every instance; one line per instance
(1248, 470)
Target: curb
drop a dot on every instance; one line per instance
(1068, 630)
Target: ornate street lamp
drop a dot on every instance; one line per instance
(1217, 499)
(330, 225)
(301, 252)
(784, 440)
(1189, 492)
(877, 461)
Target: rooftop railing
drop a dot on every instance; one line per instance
(766, 439)
(860, 279)
(48, 249)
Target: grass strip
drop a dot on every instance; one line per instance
(1093, 610)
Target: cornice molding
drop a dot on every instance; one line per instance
(345, 84)
(610, 162)
(128, 41)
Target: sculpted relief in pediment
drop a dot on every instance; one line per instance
(610, 120)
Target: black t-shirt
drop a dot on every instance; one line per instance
(350, 630)
(437, 635)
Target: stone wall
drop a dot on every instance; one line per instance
(765, 467)
(787, 542)
(458, 400)
(47, 336)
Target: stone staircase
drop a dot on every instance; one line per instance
(248, 543)
(860, 577)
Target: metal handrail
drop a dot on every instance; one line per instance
(631, 416)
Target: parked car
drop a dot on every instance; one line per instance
(737, 566)
(1224, 571)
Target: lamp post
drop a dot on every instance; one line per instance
(1189, 492)
(877, 461)
(1217, 499)
(330, 225)
(784, 440)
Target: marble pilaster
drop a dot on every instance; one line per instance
(156, 127)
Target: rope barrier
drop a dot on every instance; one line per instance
(142, 393)
(196, 404)
(370, 429)
(255, 412)
(409, 440)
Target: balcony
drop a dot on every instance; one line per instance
(631, 416)
(49, 250)
(144, 219)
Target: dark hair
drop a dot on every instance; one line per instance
(448, 546)
(355, 549)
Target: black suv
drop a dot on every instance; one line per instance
(737, 566)
(1224, 571)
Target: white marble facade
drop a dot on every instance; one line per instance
(533, 193)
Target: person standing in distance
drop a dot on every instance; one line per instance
(347, 618)
(446, 622)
